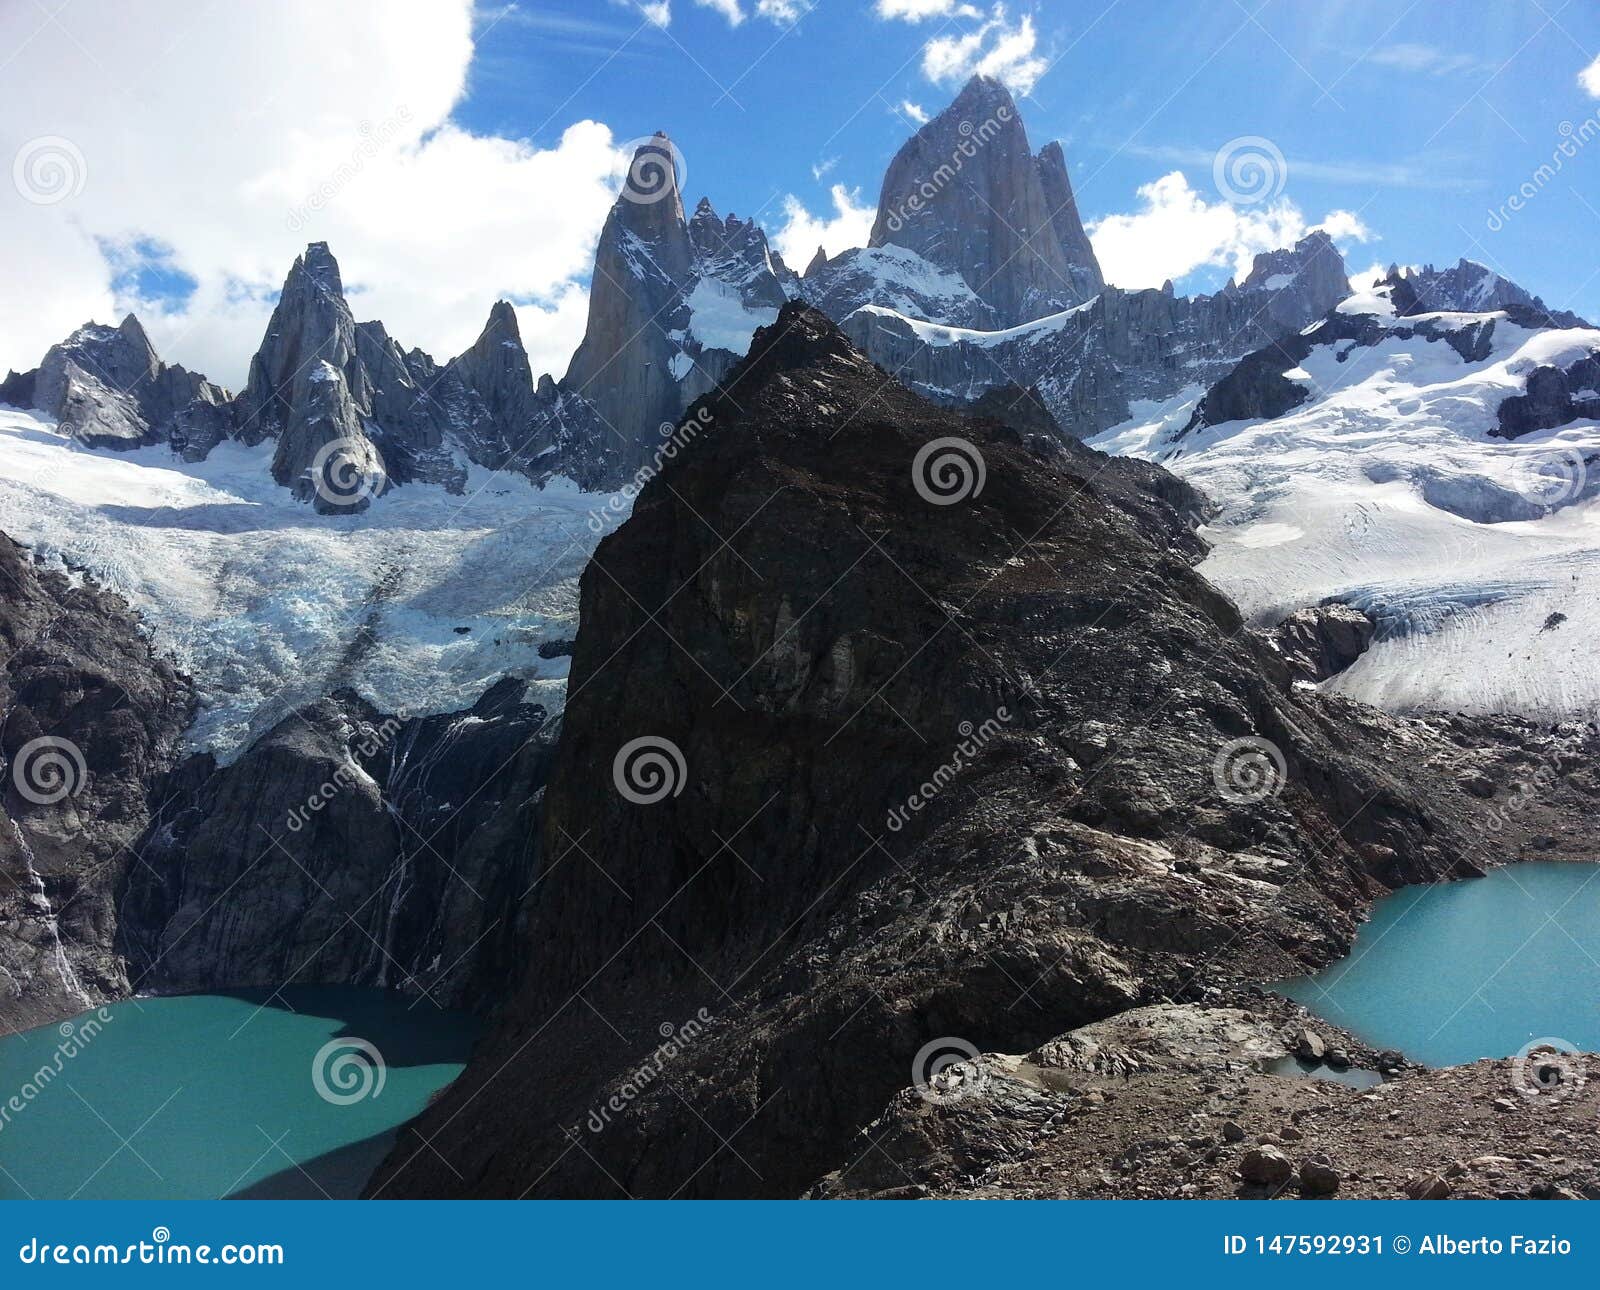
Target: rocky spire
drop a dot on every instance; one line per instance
(1075, 245)
(967, 194)
(311, 323)
(642, 265)
(496, 368)
(819, 261)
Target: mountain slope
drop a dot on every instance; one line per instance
(909, 770)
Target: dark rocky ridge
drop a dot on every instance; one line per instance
(77, 671)
(347, 847)
(813, 672)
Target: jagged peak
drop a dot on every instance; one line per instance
(819, 261)
(317, 264)
(503, 318)
(983, 91)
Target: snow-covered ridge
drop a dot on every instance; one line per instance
(420, 603)
(1389, 490)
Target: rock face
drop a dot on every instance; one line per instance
(91, 718)
(1469, 287)
(347, 847)
(967, 194)
(107, 388)
(1090, 363)
(909, 772)
(672, 306)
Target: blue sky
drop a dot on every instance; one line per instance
(452, 152)
(1421, 118)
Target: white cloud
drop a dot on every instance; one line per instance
(1589, 78)
(784, 11)
(996, 48)
(1409, 57)
(919, 10)
(914, 111)
(335, 128)
(797, 241)
(729, 9)
(820, 168)
(1177, 231)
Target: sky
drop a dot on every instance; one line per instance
(172, 158)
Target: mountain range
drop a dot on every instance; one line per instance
(340, 672)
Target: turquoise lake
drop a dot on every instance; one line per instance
(204, 1096)
(1479, 968)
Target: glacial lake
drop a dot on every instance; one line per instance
(205, 1096)
(1478, 968)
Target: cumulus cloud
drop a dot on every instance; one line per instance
(802, 233)
(997, 48)
(913, 111)
(1176, 231)
(1589, 78)
(920, 10)
(729, 9)
(336, 128)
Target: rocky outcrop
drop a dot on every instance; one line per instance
(347, 847)
(884, 771)
(1090, 363)
(91, 720)
(1473, 288)
(1554, 397)
(1321, 641)
(898, 279)
(106, 388)
(1179, 1102)
(967, 194)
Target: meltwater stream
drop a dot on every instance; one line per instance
(204, 1096)
(1480, 968)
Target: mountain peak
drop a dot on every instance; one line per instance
(318, 264)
